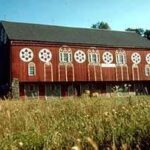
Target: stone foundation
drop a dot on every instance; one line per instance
(15, 88)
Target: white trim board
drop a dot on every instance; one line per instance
(108, 65)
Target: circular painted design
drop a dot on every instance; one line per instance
(45, 55)
(107, 57)
(26, 54)
(147, 58)
(79, 56)
(136, 58)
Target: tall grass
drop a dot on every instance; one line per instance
(80, 123)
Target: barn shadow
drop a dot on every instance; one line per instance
(5, 92)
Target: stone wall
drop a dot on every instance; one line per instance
(15, 88)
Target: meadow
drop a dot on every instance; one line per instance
(76, 124)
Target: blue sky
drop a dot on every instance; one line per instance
(119, 14)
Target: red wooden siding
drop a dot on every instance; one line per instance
(75, 71)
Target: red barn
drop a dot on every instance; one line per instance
(41, 61)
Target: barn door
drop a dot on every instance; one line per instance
(64, 90)
(78, 89)
(32, 91)
(71, 91)
(52, 90)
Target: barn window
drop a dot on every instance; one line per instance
(148, 58)
(45, 55)
(120, 57)
(93, 56)
(147, 70)
(65, 55)
(107, 57)
(31, 69)
(80, 56)
(26, 54)
(136, 58)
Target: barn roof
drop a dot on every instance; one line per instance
(59, 34)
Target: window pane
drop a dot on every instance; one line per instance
(90, 58)
(120, 59)
(66, 57)
(32, 70)
(147, 71)
(69, 57)
(94, 58)
(61, 56)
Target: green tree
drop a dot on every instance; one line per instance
(101, 25)
(147, 34)
(139, 31)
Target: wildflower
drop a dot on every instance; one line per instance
(75, 148)
(114, 111)
(80, 132)
(78, 140)
(141, 104)
(87, 92)
(125, 85)
(87, 116)
(133, 107)
(123, 108)
(20, 144)
(127, 110)
(106, 113)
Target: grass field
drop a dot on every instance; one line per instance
(77, 124)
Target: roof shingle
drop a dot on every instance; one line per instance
(58, 34)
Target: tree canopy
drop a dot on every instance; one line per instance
(139, 31)
(147, 34)
(101, 25)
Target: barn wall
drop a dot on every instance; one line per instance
(81, 72)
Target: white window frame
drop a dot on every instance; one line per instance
(26, 54)
(147, 70)
(63, 52)
(135, 54)
(94, 58)
(80, 56)
(31, 69)
(45, 55)
(121, 57)
(94, 53)
(105, 55)
(147, 58)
